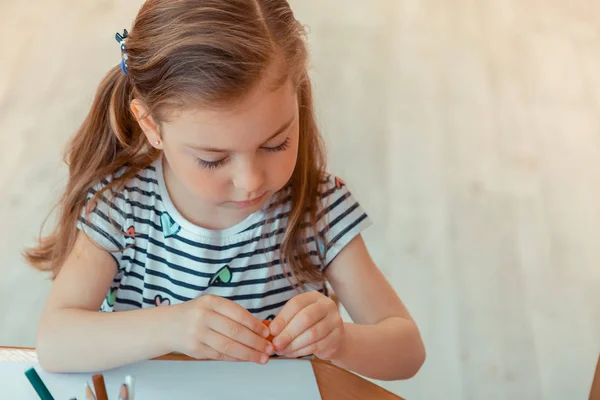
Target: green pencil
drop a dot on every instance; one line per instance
(38, 384)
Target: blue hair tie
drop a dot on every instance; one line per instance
(124, 57)
(124, 67)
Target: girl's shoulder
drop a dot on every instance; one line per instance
(340, 218)
(330, 189)
(331, 183)
(112, 207)
(334, 193)
(141, 187)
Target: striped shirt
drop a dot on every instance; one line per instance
(164, 259)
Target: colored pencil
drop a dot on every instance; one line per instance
(89, 395)
(130, 382)
(99, 387)
(123, 393)
(38, 384)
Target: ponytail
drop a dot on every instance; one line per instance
(108, 140)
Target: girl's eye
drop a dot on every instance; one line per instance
(215, 164)
(211, 164)
(283, 146)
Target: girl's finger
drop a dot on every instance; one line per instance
(321, 347)
(302, 321)
(311, 335)
(212, 354)
(290, 309)
(240, 333)
(237, 313)
(231, 348)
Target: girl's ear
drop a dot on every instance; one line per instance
(146, 122)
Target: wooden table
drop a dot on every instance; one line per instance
(595, 392)
(334, 382)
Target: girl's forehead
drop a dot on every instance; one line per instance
(253, 118)
(275, 88)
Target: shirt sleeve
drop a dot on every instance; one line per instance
(105, 219)
(340, 219)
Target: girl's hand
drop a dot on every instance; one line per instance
(310, 323)
(215, 328)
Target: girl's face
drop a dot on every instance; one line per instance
(220, 166)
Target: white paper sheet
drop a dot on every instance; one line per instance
(174, 380)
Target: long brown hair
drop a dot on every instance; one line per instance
(189, 53)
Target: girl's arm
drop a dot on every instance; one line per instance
(384, 341)
(74, 337)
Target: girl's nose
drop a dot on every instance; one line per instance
(249, 178)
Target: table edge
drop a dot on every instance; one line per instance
(183, 357)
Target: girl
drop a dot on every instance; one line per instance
(198, 206)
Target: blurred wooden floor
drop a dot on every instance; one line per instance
(470, 131)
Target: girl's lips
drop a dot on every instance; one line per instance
(249, 203)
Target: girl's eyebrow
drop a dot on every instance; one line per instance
(217, 150)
